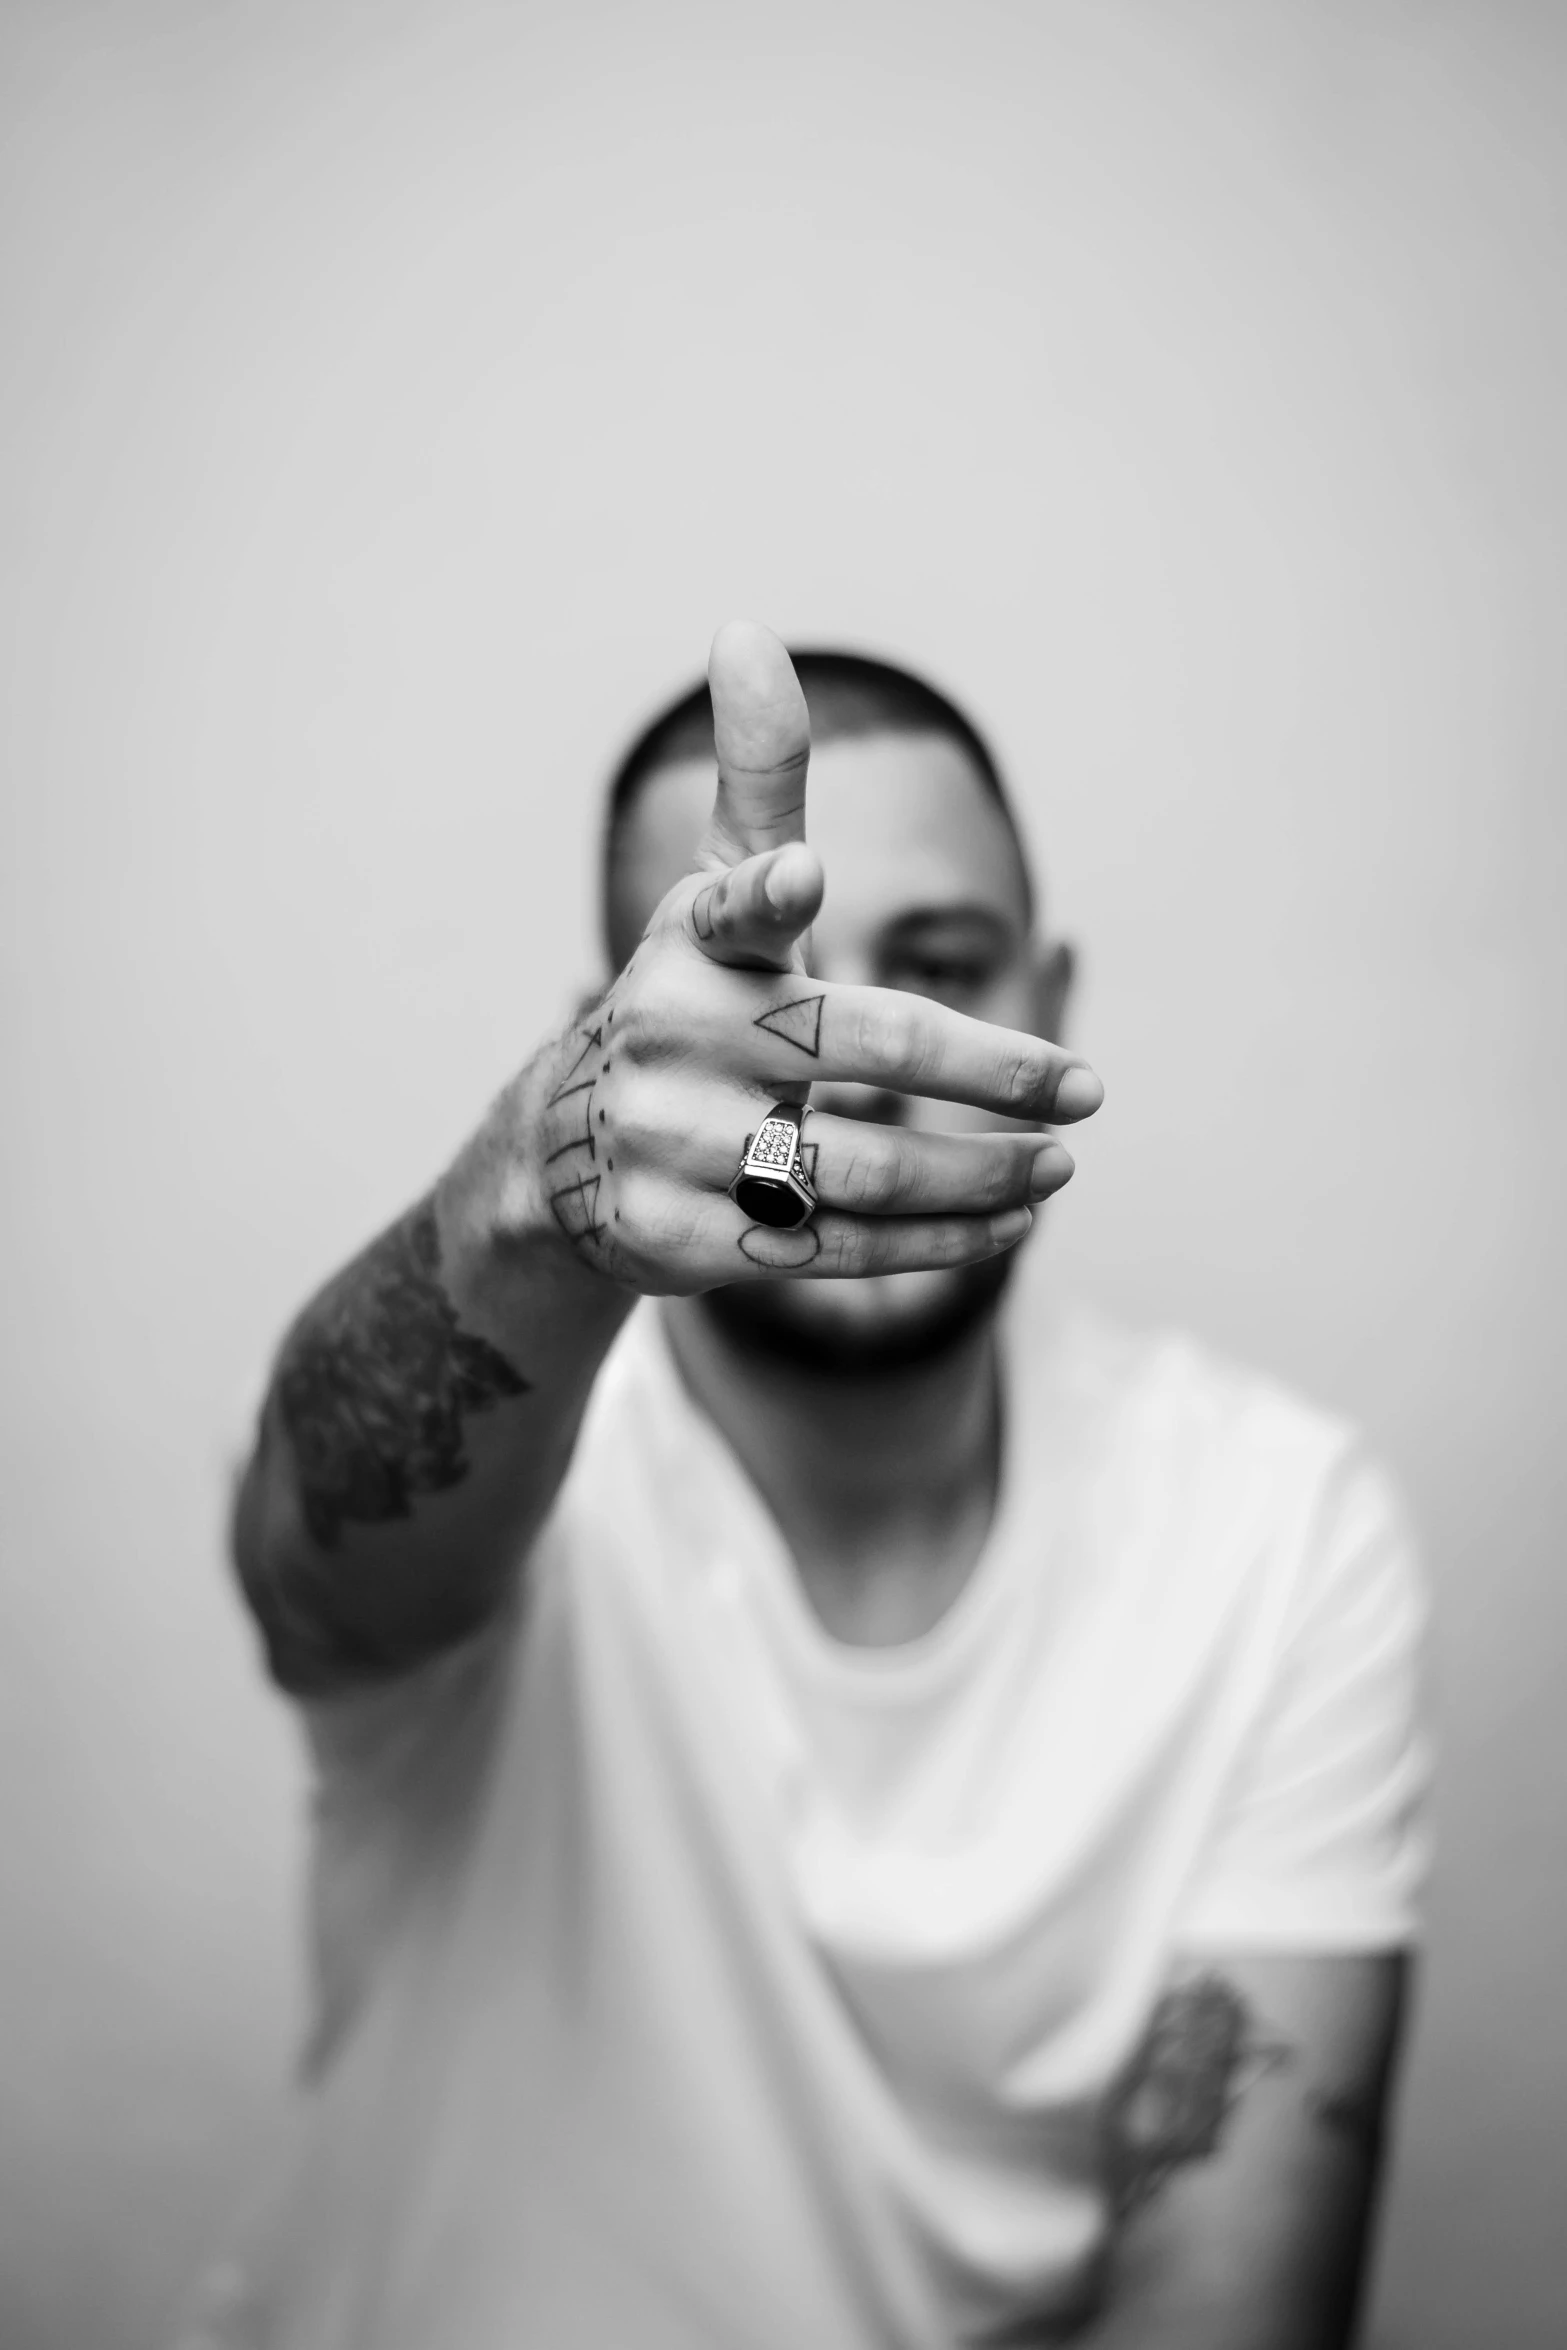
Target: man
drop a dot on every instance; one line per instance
(846, 1817)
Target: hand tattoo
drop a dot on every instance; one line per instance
(1201, 2053)
(581, 1161)
(376, 1380)
(574, 1202)
(766, 1244)
(799, 1021)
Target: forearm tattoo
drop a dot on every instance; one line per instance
(375, 1383)
(1202, 2052)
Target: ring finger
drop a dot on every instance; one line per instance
(870, 1170)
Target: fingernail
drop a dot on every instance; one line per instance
(1078, 1092)
(1052, 1167)
(1010, 1227)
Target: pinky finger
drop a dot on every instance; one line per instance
(846, 1248)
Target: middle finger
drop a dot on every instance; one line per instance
(811, 1031)
(870, 1170)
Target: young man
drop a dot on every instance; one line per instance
(848, 1817)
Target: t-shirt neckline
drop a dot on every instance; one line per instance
(900, 1670)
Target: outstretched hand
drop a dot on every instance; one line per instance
(650, 1097)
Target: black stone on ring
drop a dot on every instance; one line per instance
(772, 1186)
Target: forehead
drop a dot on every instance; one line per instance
(900, 821)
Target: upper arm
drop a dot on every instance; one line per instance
(1246, 2135)
(1245, 2146)
(1321, 1839)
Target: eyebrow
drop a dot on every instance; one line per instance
(973, 911)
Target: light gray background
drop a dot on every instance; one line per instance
(395, 397)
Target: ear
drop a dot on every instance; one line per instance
(1054, 972)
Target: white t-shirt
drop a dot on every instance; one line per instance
(692, 1980)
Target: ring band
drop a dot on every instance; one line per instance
(771, 1186)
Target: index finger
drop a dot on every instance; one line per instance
(821, 1031)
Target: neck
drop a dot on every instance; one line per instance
(883, 1486)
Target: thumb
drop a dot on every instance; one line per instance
(762, 737)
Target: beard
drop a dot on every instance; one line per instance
(876, 1328)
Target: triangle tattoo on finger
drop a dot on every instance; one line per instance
(798, 1022)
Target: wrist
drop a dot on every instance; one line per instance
(508, 1254)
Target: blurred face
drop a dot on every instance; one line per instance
(925, 892)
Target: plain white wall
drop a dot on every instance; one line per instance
(395, 398)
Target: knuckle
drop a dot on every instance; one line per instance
(849, 1253)
(631, 1022)
(882, 1250)
(633, 1207)
(863, 1033)
(843, 1245)
(659, 1218)
(653, 1018)
(872, 1181)
(887, 1038)
(638, 1122)
(912, 1044)
(945, 1244)
(1018, 1077)
(1003, 1181)
(707, 909)
(728, 906)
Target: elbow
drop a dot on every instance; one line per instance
(263, 1558)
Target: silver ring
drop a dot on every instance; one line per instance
(771, 1185)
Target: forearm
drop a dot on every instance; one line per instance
(421, 1415)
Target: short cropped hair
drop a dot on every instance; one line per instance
(847, 694)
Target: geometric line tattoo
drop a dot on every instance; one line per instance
(798, 1022)
(376, 1380)
(577, 1141)
(570, 1082)
(781, 1251)
(574, 1203)
(575, 1208)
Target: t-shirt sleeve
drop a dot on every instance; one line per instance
(1321, 1841)
(398, 1770)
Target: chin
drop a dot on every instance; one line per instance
(875, 1328)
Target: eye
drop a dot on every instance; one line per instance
(951, 977)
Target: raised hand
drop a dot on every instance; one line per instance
(646, 1105)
